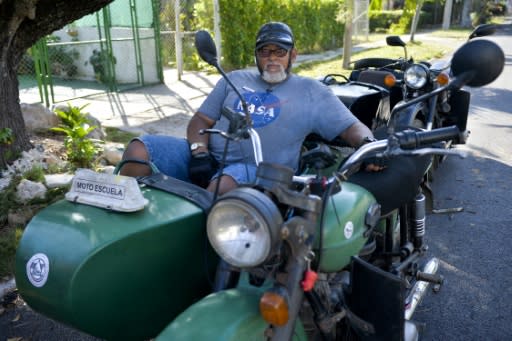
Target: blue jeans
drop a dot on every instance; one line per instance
(171, 155)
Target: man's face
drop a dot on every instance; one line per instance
(273, 61)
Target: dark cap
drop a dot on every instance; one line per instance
(276, 33)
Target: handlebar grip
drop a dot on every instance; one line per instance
(409, 139)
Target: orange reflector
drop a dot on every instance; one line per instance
(443, 78)
(389, 80)
(274, 309)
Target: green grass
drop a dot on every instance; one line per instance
(457, 33)
(118, 135)
(419, 51)
(9, 238)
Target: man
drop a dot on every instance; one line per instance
(284, 108)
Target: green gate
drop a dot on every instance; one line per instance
(114, 49)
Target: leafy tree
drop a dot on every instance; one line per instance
(22, 23)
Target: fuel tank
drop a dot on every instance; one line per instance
(118, 276)
(344, 226)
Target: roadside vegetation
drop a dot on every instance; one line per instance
(419, 50)
(80, 151)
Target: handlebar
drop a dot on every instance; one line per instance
(409, 139)
(402, 143)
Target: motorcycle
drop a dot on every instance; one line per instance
(326, 254)
(376, 85)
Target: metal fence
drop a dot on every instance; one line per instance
(98, 53)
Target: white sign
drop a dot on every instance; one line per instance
(114, 192)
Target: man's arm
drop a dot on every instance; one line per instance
(355, 134)
(197, 122)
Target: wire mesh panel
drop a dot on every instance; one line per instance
(172, 11)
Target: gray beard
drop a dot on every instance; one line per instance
(274, 77)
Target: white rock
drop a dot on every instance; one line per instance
(113, 153)
(4, 182)
(107, 169)
(58, 180)
(38, 117)
(28, 190)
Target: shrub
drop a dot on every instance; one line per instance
(80, 150)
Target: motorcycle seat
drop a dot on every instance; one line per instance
(376, 77)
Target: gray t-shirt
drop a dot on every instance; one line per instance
(283, 114)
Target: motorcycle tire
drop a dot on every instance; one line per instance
(373, 62)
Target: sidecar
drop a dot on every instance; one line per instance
(118, 275)
(368, 100)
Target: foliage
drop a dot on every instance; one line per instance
(100, 64)
(404, 23)
(62, 58)
(36, 174)
(118, 135)
(375, 5)
(485, 9)
(8, 199)
(419, 51)
(380, 21)
(9, 239)
(314, 23)
(80, 150)
(10, 236)
(6, 136)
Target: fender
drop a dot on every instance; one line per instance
(405, 117)
(228, 315)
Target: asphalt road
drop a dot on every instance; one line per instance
(473, 246)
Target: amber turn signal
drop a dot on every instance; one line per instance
(274, 308)
(443, 78)
(389, 80)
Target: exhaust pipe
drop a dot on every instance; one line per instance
(420, 287)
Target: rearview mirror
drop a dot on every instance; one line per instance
(394, 41)
(483, 30)
(481, 61)
(206, 47)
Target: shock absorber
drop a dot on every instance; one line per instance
(418, 220)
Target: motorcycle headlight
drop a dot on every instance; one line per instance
(243, 227)
(416, 76)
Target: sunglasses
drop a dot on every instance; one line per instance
(265, 53)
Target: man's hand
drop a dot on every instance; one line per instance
(201, 168)
(375, 164)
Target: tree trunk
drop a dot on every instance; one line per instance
(416, 18)
(10, 111)
(22, 23)
(447, 14)
(347, 35)
(465, 20)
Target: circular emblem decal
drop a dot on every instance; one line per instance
(264, 107)
(348, 230)
(38, 267)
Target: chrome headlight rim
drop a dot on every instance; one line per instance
(416, 76)
(244, 206)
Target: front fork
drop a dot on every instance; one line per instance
(300, 238)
